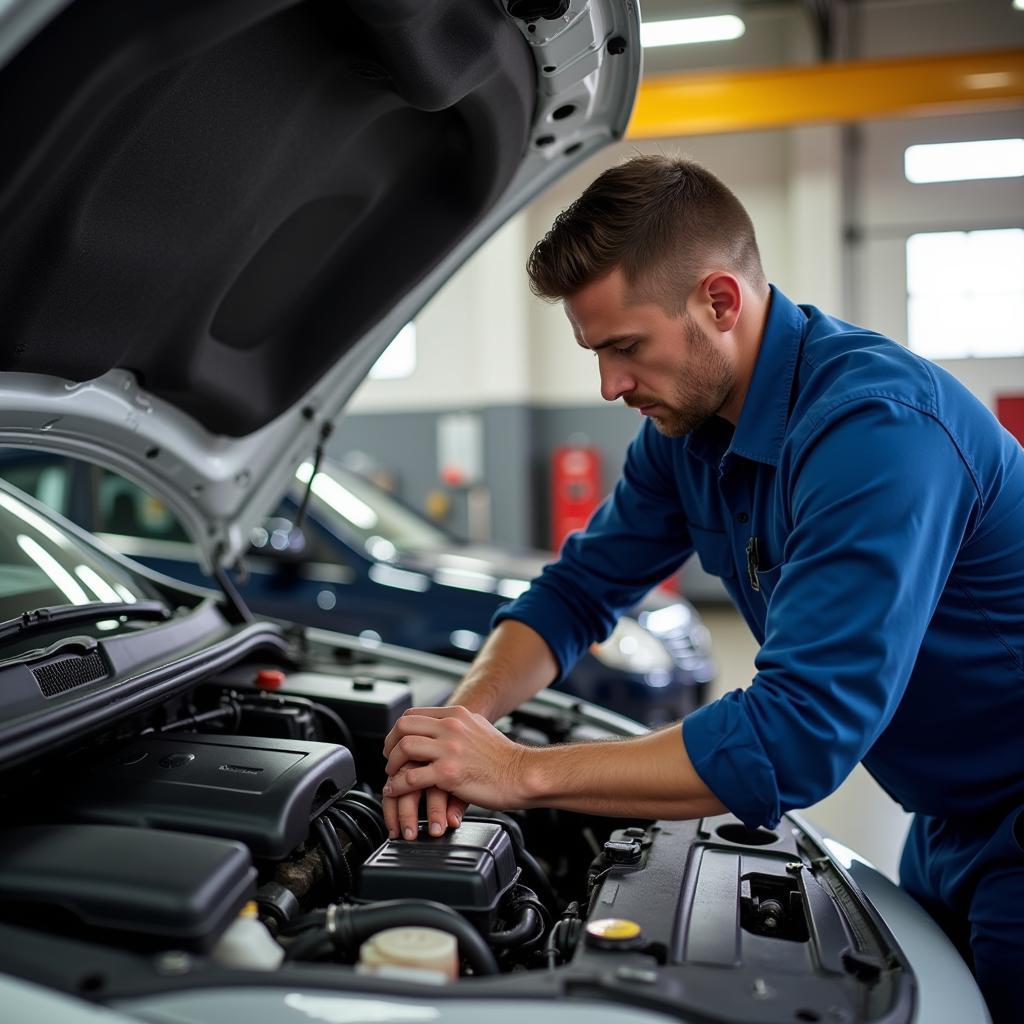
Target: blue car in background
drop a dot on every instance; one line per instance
(365, 563)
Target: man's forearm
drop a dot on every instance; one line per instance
(648, 777)
(460, 752)
(513, 665)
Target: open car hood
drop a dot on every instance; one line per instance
(216, 214)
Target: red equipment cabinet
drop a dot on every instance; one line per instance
(575, 489)
(1010, 410)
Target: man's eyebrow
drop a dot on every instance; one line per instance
(615, 340)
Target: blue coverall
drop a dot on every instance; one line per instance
(866, 515)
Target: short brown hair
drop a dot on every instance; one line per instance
(662, 219)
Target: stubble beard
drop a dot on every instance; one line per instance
(700, 394)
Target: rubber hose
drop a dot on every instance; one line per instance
(307, 943)
(372, 807)
(340, 726)
(371, 823)
(312, 919)
(357, 924)
(330, 851)
(522, 931)
(345, 821)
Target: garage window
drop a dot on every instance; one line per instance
(965, 293)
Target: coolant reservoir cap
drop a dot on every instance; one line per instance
(613, 933)
(413, 947)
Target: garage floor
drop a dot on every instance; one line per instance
(858, 814)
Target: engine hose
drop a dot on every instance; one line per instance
(525, 897)
(522, 931)
(310, 945)
(373, 823)
(329, 850)
(344, 821)
(302, 923)
(354, 925)
(340, 864)
(370, 805)
(340, 727)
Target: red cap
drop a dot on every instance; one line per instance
(269, 679)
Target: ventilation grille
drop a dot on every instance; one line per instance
(67, 673)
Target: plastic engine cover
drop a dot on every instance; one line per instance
(470, 869)
(148, 889)
(263, 792)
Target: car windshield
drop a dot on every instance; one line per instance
(44, 565)
(381, 523)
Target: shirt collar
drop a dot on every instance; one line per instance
(762, 424)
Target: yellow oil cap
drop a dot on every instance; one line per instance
(612, 932)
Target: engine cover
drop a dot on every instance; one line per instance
(263, 792)
(470, 869)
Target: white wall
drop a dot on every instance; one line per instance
(471, 338)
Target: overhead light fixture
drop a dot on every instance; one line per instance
(717, 28)
(1018, 5)
(964, 161)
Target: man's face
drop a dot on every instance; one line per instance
(666, 366)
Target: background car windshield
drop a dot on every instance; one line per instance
(43, 565)
(363, 510)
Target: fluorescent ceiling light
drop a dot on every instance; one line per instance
(964, 161)
(691, 30)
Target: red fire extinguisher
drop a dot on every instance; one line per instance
(575, 489)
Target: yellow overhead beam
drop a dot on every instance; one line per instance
(700, 103)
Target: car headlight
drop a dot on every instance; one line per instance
(681, 630)
(631, 648)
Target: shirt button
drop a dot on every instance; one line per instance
(742, 517)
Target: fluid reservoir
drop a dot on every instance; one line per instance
(414, 949)
(246, 943)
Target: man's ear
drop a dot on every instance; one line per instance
(723, 297)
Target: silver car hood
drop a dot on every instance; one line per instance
(221, 481)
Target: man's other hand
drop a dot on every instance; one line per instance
(449, 750)
(401, 814)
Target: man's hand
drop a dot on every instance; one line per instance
(514, 663)
(453, 751)
(401, 814)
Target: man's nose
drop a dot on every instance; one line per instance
(615, 383)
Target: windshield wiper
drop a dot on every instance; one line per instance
(58, 615)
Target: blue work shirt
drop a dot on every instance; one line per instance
(867, 517)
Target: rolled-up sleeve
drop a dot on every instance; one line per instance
(635, 539)
(878, 500)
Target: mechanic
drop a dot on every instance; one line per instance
(866, 514)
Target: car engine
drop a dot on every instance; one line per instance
(237, 828)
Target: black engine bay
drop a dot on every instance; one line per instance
(233, 836)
